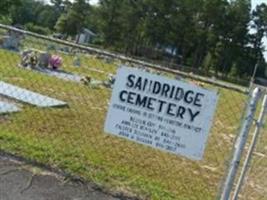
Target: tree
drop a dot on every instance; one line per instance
(259, 19)
(61, 5)
(47, 17)
(111, 26)
(210, 34)
(71, 22)
(6, 5)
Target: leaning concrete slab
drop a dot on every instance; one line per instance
(8, 108)
(28, 96)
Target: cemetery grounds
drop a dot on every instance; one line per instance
(72, 138)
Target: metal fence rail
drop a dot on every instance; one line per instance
(240, 144)
(71, 136)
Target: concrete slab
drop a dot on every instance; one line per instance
(60, 74)
(8, 108)
(28, 96)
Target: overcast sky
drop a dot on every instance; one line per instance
(93, 1)
(255, 2)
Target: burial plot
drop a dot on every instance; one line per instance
(59, 74)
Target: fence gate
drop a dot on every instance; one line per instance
(54, 97)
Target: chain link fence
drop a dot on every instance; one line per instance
(56, 95)
(255, 180)
(255, 183)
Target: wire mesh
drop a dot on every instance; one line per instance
(255, 181)
(70, 135)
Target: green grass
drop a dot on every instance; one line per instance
(72, 138)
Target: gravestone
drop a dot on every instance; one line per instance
(51, 47)
(12, 41)
(44, 59)
(77, 61)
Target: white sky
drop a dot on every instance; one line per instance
(96, 1)
(255, 2)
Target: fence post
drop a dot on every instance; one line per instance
(251, 147)
(240, 144)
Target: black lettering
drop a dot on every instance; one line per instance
(165, 89)
(180, 112)
(172, 91)
(141, 101)
(138, 83)
(130, 79)
(150, 104)
(150, 83)
(130, 98)
(121, 95)
(192, 115)
(197, 101)
(179, 94)
(156, 87)
(187, 97)
(160, 105)
(145, 84)
(170, 109)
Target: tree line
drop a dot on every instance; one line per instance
(214, 36)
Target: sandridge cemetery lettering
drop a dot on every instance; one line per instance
(166, 92)
(159, 112)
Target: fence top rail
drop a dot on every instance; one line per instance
(121, 57)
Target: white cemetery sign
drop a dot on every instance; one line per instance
(163, 113)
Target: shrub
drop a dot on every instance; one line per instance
(37, 29)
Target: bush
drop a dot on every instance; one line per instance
(37, 29)
(5, 20)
